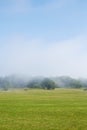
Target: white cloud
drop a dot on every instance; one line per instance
(24, 56)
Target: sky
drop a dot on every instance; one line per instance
(43, 37)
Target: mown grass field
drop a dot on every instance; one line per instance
(43, 110)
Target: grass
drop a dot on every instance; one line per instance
(61, 109)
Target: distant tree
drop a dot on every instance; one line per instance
(25, 89)
(5, 89)
(76, 84)
(68, 82)
(48, 84)
(85, 89)
(34, 84)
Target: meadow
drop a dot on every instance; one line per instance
(60, 109)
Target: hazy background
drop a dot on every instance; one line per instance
(43, 38)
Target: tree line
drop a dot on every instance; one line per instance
(42, 82)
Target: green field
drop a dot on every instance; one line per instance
(61, 109)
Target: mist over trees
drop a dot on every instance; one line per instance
(68, 82)
(41, 82)
(34, 83)
(48, 84)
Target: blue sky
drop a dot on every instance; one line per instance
(43, 37)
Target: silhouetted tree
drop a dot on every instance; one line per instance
(48, 84)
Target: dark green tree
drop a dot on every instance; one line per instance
(48, 84)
